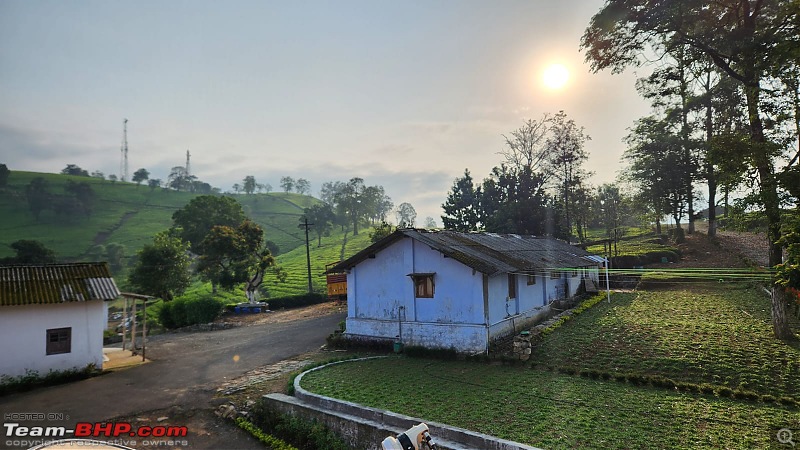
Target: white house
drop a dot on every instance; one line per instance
(458, 290)
(52, 317)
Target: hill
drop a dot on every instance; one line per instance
(129, 215)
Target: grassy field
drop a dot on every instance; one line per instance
(129, 215)
(691, 333)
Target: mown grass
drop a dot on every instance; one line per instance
(689, 333)
(720, 335)
(551, 410)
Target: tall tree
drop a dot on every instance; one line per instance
(249, 184)
(153, 183)
(462, 206)
(140, 175)
(746, 39)
(349, 202)
(322, 217)
(4, 173)
(30, 252)
(406, 215)
(74, 169)
(195, 220)
(38, 196)
(302, 186)
(287, 184)
(162, 268)
(84, 194)
(565, 144)
(430, 223)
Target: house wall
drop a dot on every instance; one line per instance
(23, 335)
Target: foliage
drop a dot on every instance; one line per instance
(4, 174)
(189, 310)
(140, 175)
(234, 255)
(249, 184)
(406, 215)
(162, 268)
(383, 230)
(302, 434)
(73, 169)
(194, 221)
(788, 273)
(30, 252)
(32, 379)
(287, 184)
(38, 196)
(296, 301)
(267, 439)
(322, 217)
(302, 186)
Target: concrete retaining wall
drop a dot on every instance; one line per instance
(364, 426)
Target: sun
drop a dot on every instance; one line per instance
(555, 76)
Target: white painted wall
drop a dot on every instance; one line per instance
(23, 336)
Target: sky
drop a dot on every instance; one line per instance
(404, 94)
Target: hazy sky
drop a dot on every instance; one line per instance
(404, 94)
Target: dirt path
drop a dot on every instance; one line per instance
(727, 249)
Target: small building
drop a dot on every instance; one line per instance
(448, 289)
(52, 317)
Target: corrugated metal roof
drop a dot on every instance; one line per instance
(488, 253)
(56, 283)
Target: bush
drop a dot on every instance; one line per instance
(32, 379)
(190, 310)
(295, 301)
(298, 432)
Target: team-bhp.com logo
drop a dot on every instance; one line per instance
(121, 433)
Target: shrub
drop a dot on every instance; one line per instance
(723, 391)
(190, 310)
(32, 379)
(268, 439)
(298, 432)
(296, 301)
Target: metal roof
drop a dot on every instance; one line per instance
(56, 283)
(489, 253)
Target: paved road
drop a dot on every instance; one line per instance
(186, 369)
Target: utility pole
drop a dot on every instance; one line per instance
(123, 163)
(307, 225)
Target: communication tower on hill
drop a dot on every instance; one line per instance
(123, 152)
(187, 163)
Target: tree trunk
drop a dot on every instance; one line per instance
(769, 198)
(711, 177)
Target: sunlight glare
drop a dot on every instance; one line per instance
(555, 76)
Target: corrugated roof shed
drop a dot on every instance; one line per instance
(489, 253)
(56, 283)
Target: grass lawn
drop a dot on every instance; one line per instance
(716, 335)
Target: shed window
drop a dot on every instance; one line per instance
(555, 275)
(59, 340)
(512, 286)
(423, 285)
(531, 280)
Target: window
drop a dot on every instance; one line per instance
(555, 275)
(423, 285)
(531, 280)
(574, 273)
(512, 286)
(59, 340)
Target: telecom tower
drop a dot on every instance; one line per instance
(187, 162)
(123, 152)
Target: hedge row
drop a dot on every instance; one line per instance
(190, 310)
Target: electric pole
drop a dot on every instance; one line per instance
(307, 225)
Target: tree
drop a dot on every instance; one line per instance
(73, 169)
(38, 196)
(746, 39)
(329, 191)
(195, 220)
(179, 179)
(162, 268)
(430, 223)
(234, 255)
(114, 255)
(565, 147)
(140, 175)
(98, 174)
(84, 195)
(381, 231)
(302, 186)
(30, 252)
(112, 178)
(287, 183)
(153, 183)
(322, 217)
(237, 187)
(249, 184)
(406, 215)
(349, 202)
(4, 173)
(462, 206)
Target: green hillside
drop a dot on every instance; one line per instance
(334, 248)
(129, 215)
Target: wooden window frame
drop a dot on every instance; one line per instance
(555, 275)
(512, 286)
(531, 280)
(58, 341)
(424, 285)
